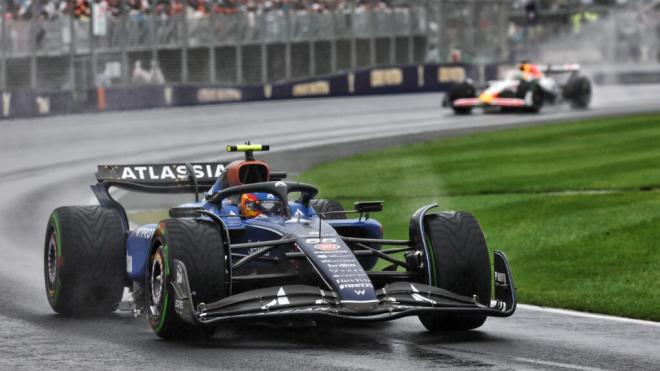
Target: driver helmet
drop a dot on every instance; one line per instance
(259, 204)
(530, 68)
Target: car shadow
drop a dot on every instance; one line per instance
(328, 334)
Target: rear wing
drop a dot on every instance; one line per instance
(166, 178)
(162, 178)
(158, 178)
(559, 68)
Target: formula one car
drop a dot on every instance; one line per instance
(250, 250)
(525, 89)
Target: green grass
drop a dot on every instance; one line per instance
(574, 206)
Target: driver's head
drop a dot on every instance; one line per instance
(530, 68)
(524, 65)
(249, 205)
(259, 203)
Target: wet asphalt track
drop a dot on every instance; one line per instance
(50, 162)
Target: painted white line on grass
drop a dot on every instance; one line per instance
(574, 313)
(557, 364)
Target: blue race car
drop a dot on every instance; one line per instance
(258, 247)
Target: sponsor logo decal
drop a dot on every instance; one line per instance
(179, 274)
(174, 172)
(359, 292)
(178, 304)
(253, 250)
(500, 279)
(327, 246)
(321, 240)
(386, 77)
(320, 87)
(280, 185)
(451, 74)
(316, 234)
(356, 286)
(145, 232)
(210, 95)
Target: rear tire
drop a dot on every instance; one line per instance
(460, 264)
(199, 245)
(578, 92)
(84, 260)
(460, 91)
(321, 205)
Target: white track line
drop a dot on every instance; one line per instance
(574, 313)
(556, 364)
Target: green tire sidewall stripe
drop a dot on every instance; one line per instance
(166, 268)
(55, 219)
(161, 317)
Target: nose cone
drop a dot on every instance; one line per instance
(486, 97)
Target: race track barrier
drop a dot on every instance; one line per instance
(380, 80)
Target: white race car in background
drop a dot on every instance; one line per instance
(525, 89)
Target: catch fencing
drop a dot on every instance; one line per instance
(253, 46)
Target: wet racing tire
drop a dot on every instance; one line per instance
(578, 92)
(459, 91)
(84, 260)
(199, 245)
(460, 264)
(321, 205)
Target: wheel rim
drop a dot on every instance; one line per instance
(51, 261)
(156, 284)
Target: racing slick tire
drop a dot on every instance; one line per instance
(461, 90)
(199, 245)
(84, 260)
(321, 205)
(578, 92)
(460, 264)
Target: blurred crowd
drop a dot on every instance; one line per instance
(82, 9)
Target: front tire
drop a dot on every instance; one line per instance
(199, 245)
(458, 91)
(84, 260)
(533, 95)
(459, 258)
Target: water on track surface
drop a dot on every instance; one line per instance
(50, 162)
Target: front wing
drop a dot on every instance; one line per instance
(495, 102)
(394, 300)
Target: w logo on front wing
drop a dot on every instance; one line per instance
(360, 292)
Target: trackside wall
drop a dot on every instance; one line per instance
(396, 79)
